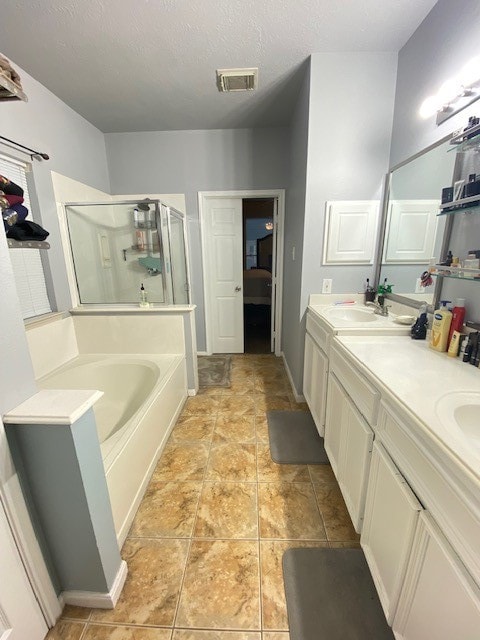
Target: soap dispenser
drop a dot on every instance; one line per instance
(442, 318)
(419, 329)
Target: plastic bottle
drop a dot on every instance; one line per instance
(143, 297)
(442, 319)
(458, 317)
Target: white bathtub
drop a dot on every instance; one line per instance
(143, 396)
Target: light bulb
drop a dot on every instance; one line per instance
(449, 90)
(429, 107)
(470, 72)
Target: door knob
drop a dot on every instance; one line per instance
(238, 288)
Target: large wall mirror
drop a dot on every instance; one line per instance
(413, 233)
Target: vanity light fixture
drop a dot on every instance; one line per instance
(455, 93)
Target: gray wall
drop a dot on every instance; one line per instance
(349, 127)
(192, 161)
(447, 39)
(77, 150)
(294, 221)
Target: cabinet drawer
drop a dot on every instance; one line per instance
(455, 509)
(363, 394)
(318, 333)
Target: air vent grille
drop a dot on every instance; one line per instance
(237, 79)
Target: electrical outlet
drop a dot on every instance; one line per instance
(327, 285)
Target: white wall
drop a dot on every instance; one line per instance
(192, 161)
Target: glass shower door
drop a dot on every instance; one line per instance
(178, 257)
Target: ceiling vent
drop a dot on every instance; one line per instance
(237, 79)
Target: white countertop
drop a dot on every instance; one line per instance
(331, 314)
(418, 377)
(53, 407)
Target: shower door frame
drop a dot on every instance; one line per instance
(163, 249)
(171, 211)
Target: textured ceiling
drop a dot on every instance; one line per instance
(150, 64)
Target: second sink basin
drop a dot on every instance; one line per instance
(352, 315)
(459, 412)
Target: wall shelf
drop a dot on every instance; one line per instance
(463, 205)
(9, 90)
(27, 244)
(460, 273)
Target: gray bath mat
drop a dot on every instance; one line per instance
(331, 596)
(214, 371)
(294, 438)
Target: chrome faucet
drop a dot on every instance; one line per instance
(379, 309)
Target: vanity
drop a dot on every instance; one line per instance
(400, 421)
(404, 450)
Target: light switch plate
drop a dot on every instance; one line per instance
(327, 285)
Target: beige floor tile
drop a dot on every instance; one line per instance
(227, 510)
(210, 391)
(237, 405)
(288, 511)
(234, 429)
(239, 385)
(274, 608)
(232, 462)
(151, 591)
(297, 406)
(110, 632)
(261, 428)
(194, 634)
(76, 613)
(321, 473)
(201, 405)
(352, 544)
(181, 462)
(273, 387)
(66, 630)
(265, 403)
(167, 510)
(334, 513)
(193, 429)
(270, 471)
(221, 586)
(275, 635)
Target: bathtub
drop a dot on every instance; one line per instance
(143, 396)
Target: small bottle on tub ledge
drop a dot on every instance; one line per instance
(143, 297)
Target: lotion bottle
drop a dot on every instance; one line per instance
(458, 317)
(442, 318)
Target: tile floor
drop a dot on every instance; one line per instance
(205, 550)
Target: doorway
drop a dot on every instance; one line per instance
(258, 239)
(225, 260)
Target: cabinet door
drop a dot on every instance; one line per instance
(439, 599)
(334, 426)
(357, 443)
(315, 381)
(391, 514)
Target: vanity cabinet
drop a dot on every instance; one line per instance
(315, 371)
(348, 443)
(391, 514)
(439, 599)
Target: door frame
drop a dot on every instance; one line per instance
(279, 194)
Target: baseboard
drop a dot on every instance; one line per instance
(191, 392)
(98, 600)
(202, 353)
(298, 396)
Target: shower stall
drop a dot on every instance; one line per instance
(117, 246)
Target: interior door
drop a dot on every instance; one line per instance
(223, 244)
(274, 276)
(20, 615)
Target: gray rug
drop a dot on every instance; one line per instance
(294, 438)
(331, 596)
(214, 371)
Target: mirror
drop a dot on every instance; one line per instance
(413, 232)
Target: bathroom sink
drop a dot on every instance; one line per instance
(352, 315)
(459, 412)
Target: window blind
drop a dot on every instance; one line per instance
(26, 263)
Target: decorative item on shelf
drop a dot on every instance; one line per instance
(10, 83)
